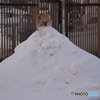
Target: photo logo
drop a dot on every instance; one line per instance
(92, 94)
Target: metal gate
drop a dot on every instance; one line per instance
(15, 25)
(17, 21)
(83, 24)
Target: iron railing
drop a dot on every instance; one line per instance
(83, 25)
(15, 26)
